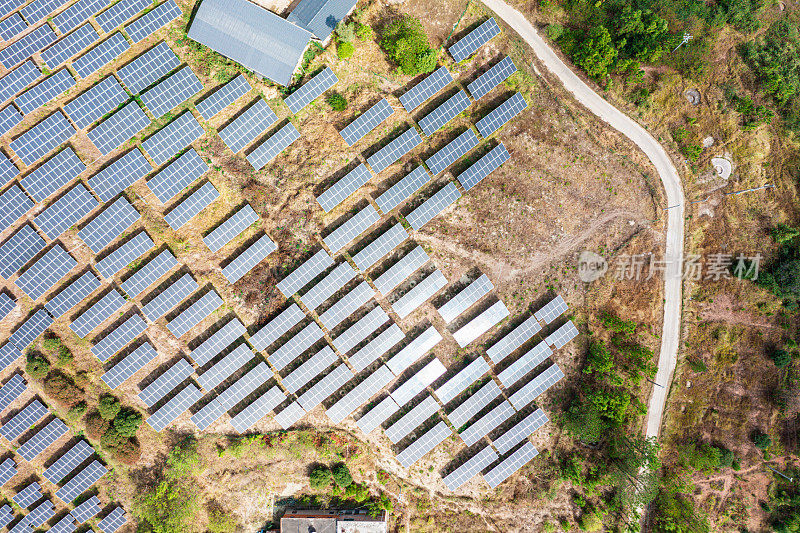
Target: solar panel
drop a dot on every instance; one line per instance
(108, 225)
(551, 310)
(380, 160)
(511, 464)
(531, 390)
(487, 423)
(13, 204)
(8, 354)
(7, 169)
(560, 337)
(452, 151)
(376, 347)
(22, 421)
(472, 466)
(69, 46)
(98, 313)
(458, 383)
(248, 259)
(225, 367)
(303, 274)
(119, 127)
(129, 365)
(423, 444)
(33, 326)
(416, 383)
(231, 228)
(325, 387)
(492, 78)
(513, 340)
(65, 525)
(234, 394)
(17, 79)
(11, 5)
(378, 415)
(274, 145)
(100, 55)
(352, 228)
(119, 175)
(366, 122)
(6, 515)
(412, 419)
(311, 90)
(19, 249)
(148, 274)
(525, 364)
(68, 462)
(124, 255)
(166, 382)
(39, 515)
(172, 138)
(347, 305)
(120, 12)
(41, 440)
(469, 44)
(433, 206)
(359, 394)
(277, 327)
(310, 369)
(359, 331)
(169, 297)
(258, 409)
(176, 176)
(86, 510)
(193, 314)
(11, 26)
(466, 298)
(520, 431)
(6, 305)
(148, 68)
(299, 343)
(481, 324)
(115, 520)
(328, 286)
(39, 9)
(223, 97)
(171, 92)
(291, 414)
(425, 89)
(24, 47)
(53, 174)
(217, 342)
(12, 390)
(474, 404)
(95, 103)
(42, 138)
(498, 117)
(65, 212)
(9, 117)
(191, 206)
(419, 294)
(118, 338)
(415, 349)
(153, 20)
(175, 407)
(247, 126)
(75, 14)
(444, 113)
(8, 469)
(81, 482)
(46, 272)
(403, 189)
(381, 246)
(29, 495)
(484, 166)
(343, 188)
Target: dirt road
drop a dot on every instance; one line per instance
(669, 177)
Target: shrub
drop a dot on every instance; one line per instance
(341, 475)
(345, 50)
(127, 422)
(77, 411)
(406, 43)
(364, 32)
(345, 31)
(112, 438)
(320, 477)
(62, 389)
(109, 407)
(555, 31)
(781, 358)
(96, 425)
(37, 366)
(51, 344)
(337, 102)
(761, 440)
(357, 492)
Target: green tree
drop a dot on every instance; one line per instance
(320, 477)
(406, 43)
(781, 358)
(784, 234)
(599, 360)
(345, 31)
(612, 404)
(345, 50)
(127, 422)
(341, 475)
(37, 366)
(594, 52)
(109, 407)
(761, 440)
(634, 470)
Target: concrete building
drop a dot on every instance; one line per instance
(332, 521)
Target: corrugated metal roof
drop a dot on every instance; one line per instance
(320, 17)
(258, 39)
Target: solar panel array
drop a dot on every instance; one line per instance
(484, 166)
(39, 515)
(6, 305)
(403, 189)
(291, 414)
(191, 206)
(69, 46)
(474, 404)
(362, 329)
(303, 274)
(129, 365)
(173, 137)
(22, 421)
(452, 151)
(24, 47)
(59, 216)
(359, 394)
(46, 272)
(53, 174)
(39, 9)
(217, 342)
(433, 206)
(560, 337)
(277, 327)
(444, 113)
(118, 338)
(352, 228)
(248, 126)
(419, 294)
(270, 148)
(119, 175)
(347, 305)
(551, 310)
(98, 313)
(82, 481)
(498, 117)
(176, 176)
(328, 286)
(153, 20)
(12, 390)
(44, 91)
(8, 354)
(11, 26)
(470, 468)
(95, 103)
(298, 344)
(232, 395)
(193, 314)
(148, 68)
(310, 369)
(400, 271)
(171, 92)
(531, 390)
(258, 409)
(423, 444)
(149, 273)
(487, 423)
(120, 12)
(525, 364)
(166, 382)
(481, 324)
(41, 440)
(366, 122)
(248, 259)
(416, 383)
(33, 326)
(169, 297)
(8, 469)
(101, 55)
(381, 246)
(435, 82)
(119, 127)
(492, 78)
(380, 160)
(513, 340)
(325, 387)
(347, 185)
(376, 347)
(9, 117)
(68, 462)
(231, 228)
(469, 44)
(311, 90)
(409, 421)
(29, 495)
(225, 367)
(378, 415)
(520, 431)
(109, 224)
(19, 249)
(86, 510)
(223, 97)
(75, 14)
(115, 520)
(467, 297)
(7, 169)
(175, 407)
(17, 79)
(463, 379)
(511, 464)
(124, 255)
(39, 140)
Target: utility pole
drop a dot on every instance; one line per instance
(791, 480)
(686, 38)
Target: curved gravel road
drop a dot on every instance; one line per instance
(669, 177)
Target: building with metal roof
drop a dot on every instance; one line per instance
(332, 521)
(320, 17)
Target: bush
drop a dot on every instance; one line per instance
(345, 32)
(109, 407)
(781, 358)
(345, 50)
(37, 366)
(364, 32)
(96, 425)
(320, 477)
(51, 344)
(357, 492)
(127, 422)
(406, 43)
(761, 440)
(554, 31)
(112, 438)
(77, 411)
(341, 475)
(62, 389)
(337, 102)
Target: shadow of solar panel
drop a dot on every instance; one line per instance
(311, 90)
(381, 246)
(459, 383)
(470, 468)
(474, 404)
(9, 117)
(193, 314)
(277, 327)
(172, 138)
(376, 348)
(42, 138)
(119, 338)
(302, 275)
(119, 127)
(417, 383)
(359, 394)
(487, 423)
(6, 305)
(17, 79)
(299, 343)
(466, 297)
(403, 189)
(513, 340)
(68, 462)
(525, 364)
(510, 465)
(499, 116)
(248, 259)
(560, 337)
(378, 415)
(274, 145)
(352, 228)
(400, 271)
(232, 395)
(258, 409)
(153, 20)
(149, 273)
(520, 431)
(176, 176)
(362, 329)
(435, 82)
(39, 9)
(121, 12)
(98, 101)
(69, 46)
(452, 152)
(29, 495)
(310, 369)
(119, 175)
(225, 367)
(433, 206)
(78, 12)
(328, 286)
(412, 419)
(55, 173)
(175, 407)
(19, 249)
(8, 354)
(33, 326)
(247, 126)
(166, 382)
(551, 310)
(223, 97)
(148, 68)
(46, 272)
(81, 482)
(11, 26)
(22, 421)
(343, 188)
(217, 342)
(484, 166)
(322, 389)
(423, 444)
(368, 121)
(166, 300)
(191, 206)
(444, 113)
(492, 78)
(108, 225)
(13, 204)
(86, 510)
(115, 520)
(538, 385)
(102, 54)
(124, 255)
(231, 228)
(24, 47)
(43, 439)
(469, 44)
(481, 324)
(8, 469)
(9, 392)
(65, 212)
(171, 92)
(129, 365)
(291, 414)
(393, 151)
(98, 313)
(347, 305)
(419, 294)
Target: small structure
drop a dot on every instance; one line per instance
(332, 521)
